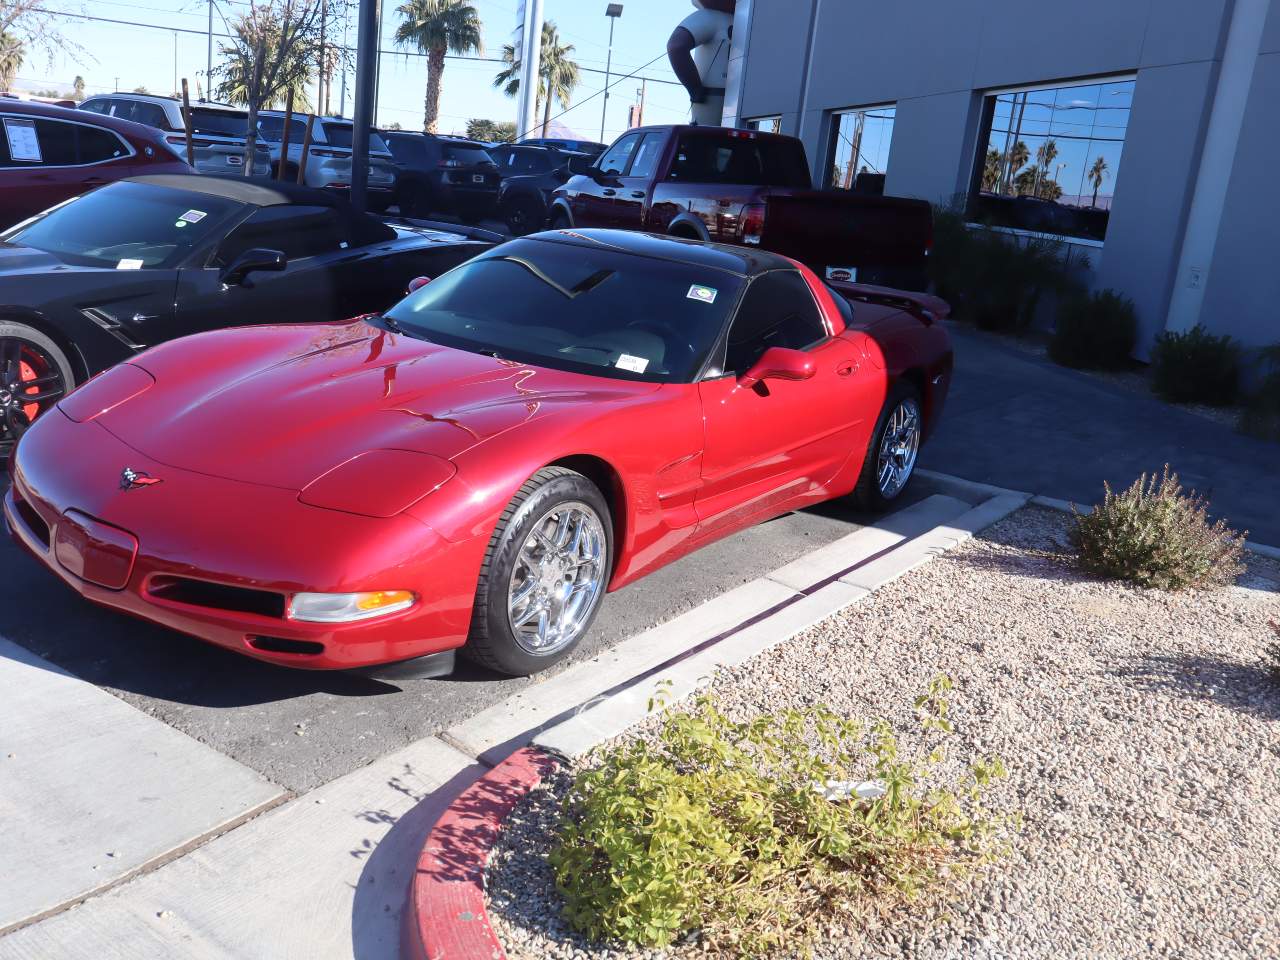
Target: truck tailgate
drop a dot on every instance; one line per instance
(878, 240)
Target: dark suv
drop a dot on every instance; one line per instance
(443, 175)
(529, 175)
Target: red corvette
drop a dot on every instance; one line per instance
(478, 466)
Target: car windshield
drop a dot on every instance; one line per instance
(126, 226)
(466, 154)
(339, 135)
(594, 310)
(223, 123)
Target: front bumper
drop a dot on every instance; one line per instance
(218, 559)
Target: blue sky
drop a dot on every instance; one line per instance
(135, 56)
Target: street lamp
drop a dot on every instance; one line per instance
(613, 12)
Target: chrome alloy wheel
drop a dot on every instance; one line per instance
(898, 448)
(557, 579)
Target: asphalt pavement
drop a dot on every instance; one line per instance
(300, 728)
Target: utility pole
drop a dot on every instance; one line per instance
(367, 43)
(208, 57)
(530, 54)
(613, 12)
(324, 10)
(175, 61)
(644, 86)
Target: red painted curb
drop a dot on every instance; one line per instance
(446, 919)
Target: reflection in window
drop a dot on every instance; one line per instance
(860, 149)
(1050, 158)
(765, 124)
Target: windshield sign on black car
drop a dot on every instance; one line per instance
(125, 226)
(594, 310)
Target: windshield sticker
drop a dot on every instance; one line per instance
(129, 265)
(703, 294)
(843, 274)
(23, 143)
(634, 364)
(193, 216)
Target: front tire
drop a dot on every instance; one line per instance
(34, 375)
(890, 462)
(544, 574)
(523, 215)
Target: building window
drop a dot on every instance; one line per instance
(1050, 157)
(766, 124)
(860, 141)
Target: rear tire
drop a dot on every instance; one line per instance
(29, 361)
(523, 215)
(890, 461)
(552, 551)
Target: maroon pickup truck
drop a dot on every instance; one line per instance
(746, 187)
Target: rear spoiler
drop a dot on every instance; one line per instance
(462, 229)
(922, 305)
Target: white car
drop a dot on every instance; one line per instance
(329, 157)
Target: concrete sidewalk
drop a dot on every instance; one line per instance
(1028, 424)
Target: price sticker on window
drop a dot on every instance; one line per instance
(703, 294)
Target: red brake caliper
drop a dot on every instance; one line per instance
(26, 373)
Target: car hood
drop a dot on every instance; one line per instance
(282, 405)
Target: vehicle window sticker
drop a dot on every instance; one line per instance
(23, 143)
(702, 294)
(634, 364)
(129, 264)
(193, 216)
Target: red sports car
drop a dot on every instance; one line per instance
(477, 467)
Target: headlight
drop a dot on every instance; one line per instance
(348, 607)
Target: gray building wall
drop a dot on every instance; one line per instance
(935, 59)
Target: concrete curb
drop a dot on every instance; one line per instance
(446, 919)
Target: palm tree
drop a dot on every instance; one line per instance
(1045, 155)
(12, 52)
(1096, 174)
(437, 27)
(991, 172)
(555, 69)
(1019, 154)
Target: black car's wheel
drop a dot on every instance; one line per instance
(34, 375)
(560, 221)
(523, 215)
(890, 462)
(544, 574)
(414, 200)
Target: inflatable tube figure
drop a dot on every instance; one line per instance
(699, 55)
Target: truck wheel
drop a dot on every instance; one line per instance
(523, 215)
(560, 221)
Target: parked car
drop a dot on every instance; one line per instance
(329, 157)
(102, 278)
(751, 188)
(589, 147)
(443, 175)
(217, 131)
(50, 154)
(478, 465)
(529, 176)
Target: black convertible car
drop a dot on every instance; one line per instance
(95, 280)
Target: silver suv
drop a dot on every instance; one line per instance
(217, 131)
(329, 157)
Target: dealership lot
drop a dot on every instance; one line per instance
(300, 729)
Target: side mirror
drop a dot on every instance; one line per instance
(259, 258)
(582, 165)
(779, 363)
(417, 283)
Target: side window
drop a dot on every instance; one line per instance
(298, 232)
(502, 156)
(408, 150)
(646, 160)
(97, 145)
(614, 162)
(777, 311)
(96, 105)
(57, 142)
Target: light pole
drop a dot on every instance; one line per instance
(613, 12)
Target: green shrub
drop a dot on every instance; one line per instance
(1094, 332)
(723, 828)
(1155, 536)
(1196, 367)
(1261, 416)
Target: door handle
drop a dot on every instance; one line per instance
(846, 367)
(610, 192)
(638, 194)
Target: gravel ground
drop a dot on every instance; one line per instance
(1141, 731)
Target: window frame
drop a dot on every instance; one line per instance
(216, 260)
(982, 143)
(718, 357)
(832, 124)
(638, 137)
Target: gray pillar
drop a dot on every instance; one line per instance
(366, 66)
